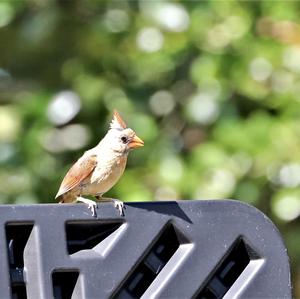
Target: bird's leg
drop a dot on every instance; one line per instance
(119, 205)
(91, 204)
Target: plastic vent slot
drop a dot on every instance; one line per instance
(86, 235)
(148, 269)
(64, 283)
(228, 271)
(17, 235)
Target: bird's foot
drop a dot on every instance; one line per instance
(93, 206)
(90, 203)
(119, 205)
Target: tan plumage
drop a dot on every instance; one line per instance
(76, 175)
(100, 168)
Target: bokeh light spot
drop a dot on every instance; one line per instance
(291, 59)
(220, 183)
(289, 175)
(162, 102)
(171, 169)
(260, 69)
(166, 193)
(7, 151)
(64, 107)
(10, 123)
(116, 20)
(150, 39)
(70, 138)
(6, 13)
(173, 17)
(282, 81)
(287, 207)
(203, 108)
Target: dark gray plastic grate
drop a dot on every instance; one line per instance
(228, 271)
(86, 235)
(149, 268)
(17, 235)
(193, 249)
(64, 282)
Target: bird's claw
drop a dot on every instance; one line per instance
(93, 206)
(90, 203)
(119, 205)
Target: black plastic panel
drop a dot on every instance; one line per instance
(190, 249)
(64, 283)
(151, 265)
(86, 235)
(228, 271)
(17, 235)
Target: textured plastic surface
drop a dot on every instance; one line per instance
(192, 249)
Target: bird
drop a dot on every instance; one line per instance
(100, 167)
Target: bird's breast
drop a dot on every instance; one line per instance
(105, 176)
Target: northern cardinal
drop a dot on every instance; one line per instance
(100, 168)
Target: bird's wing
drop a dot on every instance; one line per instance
(77, 173)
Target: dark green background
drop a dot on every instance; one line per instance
(212, 87)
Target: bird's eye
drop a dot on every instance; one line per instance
(124, 139)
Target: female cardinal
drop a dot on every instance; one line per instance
(100, 167)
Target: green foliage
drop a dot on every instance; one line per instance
(213, 87)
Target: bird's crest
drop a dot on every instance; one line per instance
(117, 122)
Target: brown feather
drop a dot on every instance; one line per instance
(119, 119)
(77, 173)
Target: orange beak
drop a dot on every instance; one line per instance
(136, 142)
